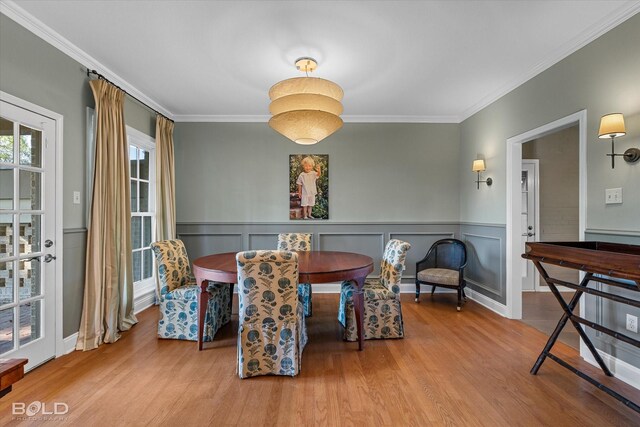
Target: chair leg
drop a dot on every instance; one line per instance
(459, 298)
(417, 292)
(433, 289)
(310, 302)
(230, 299)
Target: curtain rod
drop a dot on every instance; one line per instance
(101, 77)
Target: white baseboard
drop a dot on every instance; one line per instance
(69, 344)
(144, 301)
(487, 302)
(620, 369)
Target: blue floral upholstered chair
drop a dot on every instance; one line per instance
(382, 310)
(178, 296)
(271, 331)
(298, 242)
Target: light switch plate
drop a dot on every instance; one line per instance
(76, 197)
(613, 196)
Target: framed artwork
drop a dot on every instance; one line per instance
(308, 186)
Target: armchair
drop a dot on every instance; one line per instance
(443, 266)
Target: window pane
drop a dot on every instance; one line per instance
(6, 236)
(6, 141)
(6, 188)
(137, 266)
(6, 282)
(30, 230)
(6, 330)
(134, 196)
(148, 264)
(146, 241)
(136, 232)
(30, 190)
(133, 161)
(144, 196)
(30, 146)
(29, 279)
(30, 321)
(144, 164)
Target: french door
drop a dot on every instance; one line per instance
(27, 235)
(529, 218)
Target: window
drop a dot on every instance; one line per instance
(143, 208)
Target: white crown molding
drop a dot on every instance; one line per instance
(10, 9)
(203, 118)
(401, 119)
(587, 36)
(206, 118)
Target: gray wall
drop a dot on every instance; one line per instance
(239, 172)
(35, 71)
(602, 77)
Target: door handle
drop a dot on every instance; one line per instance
(529, 234)
(49, 258)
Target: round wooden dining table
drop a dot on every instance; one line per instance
(313, 267)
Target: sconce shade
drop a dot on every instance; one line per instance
(612, 125)
(478, 166)
(306, 109)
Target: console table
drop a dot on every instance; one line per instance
(616, 265)
(11, 371)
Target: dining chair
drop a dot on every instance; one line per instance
(178, 296)
(272, 331)
(299, 242)
(382, 308)
(443, 266)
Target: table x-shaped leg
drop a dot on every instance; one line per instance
(568, 315)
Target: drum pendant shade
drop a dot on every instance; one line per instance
(306, 109)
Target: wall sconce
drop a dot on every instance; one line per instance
(478, 166)
(612, 126)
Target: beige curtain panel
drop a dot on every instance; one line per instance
(165, 185)
(108, 286)
(165, 180)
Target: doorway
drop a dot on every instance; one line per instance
(30, 233)
(515, 227)
(550, 213)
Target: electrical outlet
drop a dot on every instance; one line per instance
(632, 323)
(76, 197)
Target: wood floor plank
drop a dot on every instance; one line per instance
(468, 368)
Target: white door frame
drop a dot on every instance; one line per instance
(59, 123)
(514, 200)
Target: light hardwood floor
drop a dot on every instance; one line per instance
(542, 311)
(452, 368)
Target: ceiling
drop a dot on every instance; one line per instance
(397, 61)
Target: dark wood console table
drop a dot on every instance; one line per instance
(611, 262)
(11, 371)
(313, 267)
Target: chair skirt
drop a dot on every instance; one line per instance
(272, 348)
(179, 312)
(382, 313)
(304, 295)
